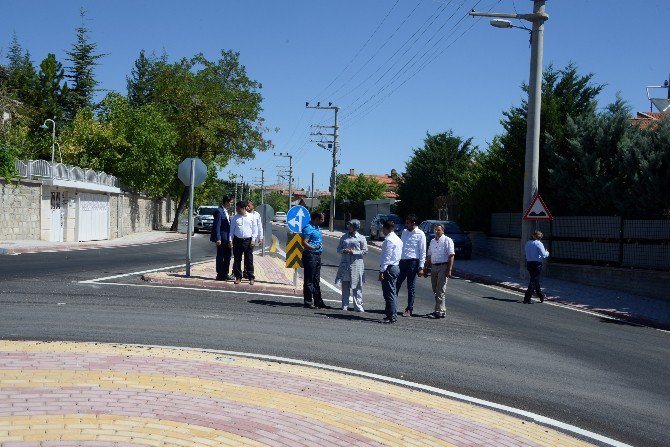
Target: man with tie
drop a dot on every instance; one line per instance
(242, 237)
(220, 231)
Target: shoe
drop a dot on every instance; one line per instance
(436, 315)
(251, 282)
(345, 308)
(387, 320)
(360, 310)
(407, 313)
(237, 280)
(528, 301)
(310, 306)
(229, 278)
(220, 278)
(324, 306)
(542, 299)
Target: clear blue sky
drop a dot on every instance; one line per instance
(297, 47)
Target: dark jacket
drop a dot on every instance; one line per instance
(221, 227)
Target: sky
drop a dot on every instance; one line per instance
(398, 69)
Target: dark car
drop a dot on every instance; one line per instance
(378, 222)
(462, 243)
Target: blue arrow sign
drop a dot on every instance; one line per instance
(296, 218)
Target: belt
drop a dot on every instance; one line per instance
(312, 252)
(408, 260)
(440, 263)
(242, 238)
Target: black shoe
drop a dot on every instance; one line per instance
(229, 278)
(310, 306)
(387, 320)
(434, 315)
(542, 299)
(324, 306)
(221, 278)
(528, 301)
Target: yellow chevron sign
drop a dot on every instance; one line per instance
(294, 251)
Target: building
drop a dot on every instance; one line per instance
(647, 119)
(390, 181)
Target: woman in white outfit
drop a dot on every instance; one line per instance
(351, 273)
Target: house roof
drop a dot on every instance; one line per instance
(646, 119)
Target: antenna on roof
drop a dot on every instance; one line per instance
(662, 104)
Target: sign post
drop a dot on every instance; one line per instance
(192, 172)
(266, 213)
(296, 219)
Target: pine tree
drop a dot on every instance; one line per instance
(52, 92)
(140, 83)
(84, 59)
(21, 73)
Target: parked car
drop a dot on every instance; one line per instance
(204, 218)
(462, 243)
(280, 216)
(378, 222)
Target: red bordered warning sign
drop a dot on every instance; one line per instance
(537, 210)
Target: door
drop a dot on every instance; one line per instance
(56, 217)
(93, 217)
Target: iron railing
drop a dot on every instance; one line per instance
(41, 169)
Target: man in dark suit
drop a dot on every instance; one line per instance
(220, 231)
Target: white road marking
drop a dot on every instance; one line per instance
(326, 283)
(419, 386)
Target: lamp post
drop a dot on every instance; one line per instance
(532, 162)
(53, 136)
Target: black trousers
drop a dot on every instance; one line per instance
(534, 269)
(223, 255)
(242, 247)
(311, 289)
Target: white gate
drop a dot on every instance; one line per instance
(56, 217)
(93, 217)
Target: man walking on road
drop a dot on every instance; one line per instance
(441, 255)
(389, 271)
(220, 231)
(535, 254)
(311, 261)
(412, 260)
(241, 240)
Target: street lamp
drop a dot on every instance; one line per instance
(532, 163)
(53, 136)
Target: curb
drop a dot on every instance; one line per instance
(70, 247)
(632, 319)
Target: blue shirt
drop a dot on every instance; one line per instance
(535, 251)
(312, 235)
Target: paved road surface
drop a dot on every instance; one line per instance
(595, 373)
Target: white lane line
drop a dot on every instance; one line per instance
(419, 386)
(105, 278)
(325, 283)
(234, 292)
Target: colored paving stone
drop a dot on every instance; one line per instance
(89, 394)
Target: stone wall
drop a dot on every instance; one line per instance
(132, 213)
(20, 210)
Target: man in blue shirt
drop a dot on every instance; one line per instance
(535, 254)
(311, 262)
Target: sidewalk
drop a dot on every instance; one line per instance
(270, 271)
(632, 308)
(31, 246)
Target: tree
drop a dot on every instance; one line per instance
(51, 91)
(432, 171)
(84, 59)
(352, 193)
(214, 107)
(21, 75)
(140, 83)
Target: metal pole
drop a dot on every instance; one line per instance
(311, 203)
(531, 172)
(333, 180)
(290, 181)
(189, 236)
(53, 143)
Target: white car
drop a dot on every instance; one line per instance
(204, 218)
(280, 216)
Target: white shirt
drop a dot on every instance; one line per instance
(441, 250)
(414, 245)
(243, 226)
(391, 251)
(259, 224)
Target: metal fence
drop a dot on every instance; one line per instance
(597, 240)
(41, 169)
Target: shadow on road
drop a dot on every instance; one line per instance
(507, 300)
(275, 303)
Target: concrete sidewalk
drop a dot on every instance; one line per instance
(632, 308)
(135, 239)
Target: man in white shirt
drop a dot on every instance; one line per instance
(412, 260)
(389, 271)
(441, 259)
(535, 254)
(243, 233)
(259, 229)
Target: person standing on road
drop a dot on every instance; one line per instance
(351, 272)
(389, 271)
(311, 261)
(535, 254)
(259, 229)
(441, 255)
(241, 240)
(220, 231)
(412, 260)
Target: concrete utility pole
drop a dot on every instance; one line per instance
(531, 173)
(290, 176)
(333, 147)
(311, 193)
(262, 184)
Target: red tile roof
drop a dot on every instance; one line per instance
(646, 119)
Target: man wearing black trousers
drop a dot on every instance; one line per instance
(220, 231)
(242, 237)
(535, 255)
(311, 262)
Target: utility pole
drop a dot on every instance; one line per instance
(290, 176)
(311, 193)
(262, 184)
(333, 146)
(532, 164)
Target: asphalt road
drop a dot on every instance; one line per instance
(595, 373)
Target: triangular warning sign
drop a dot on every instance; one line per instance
(537, 210)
